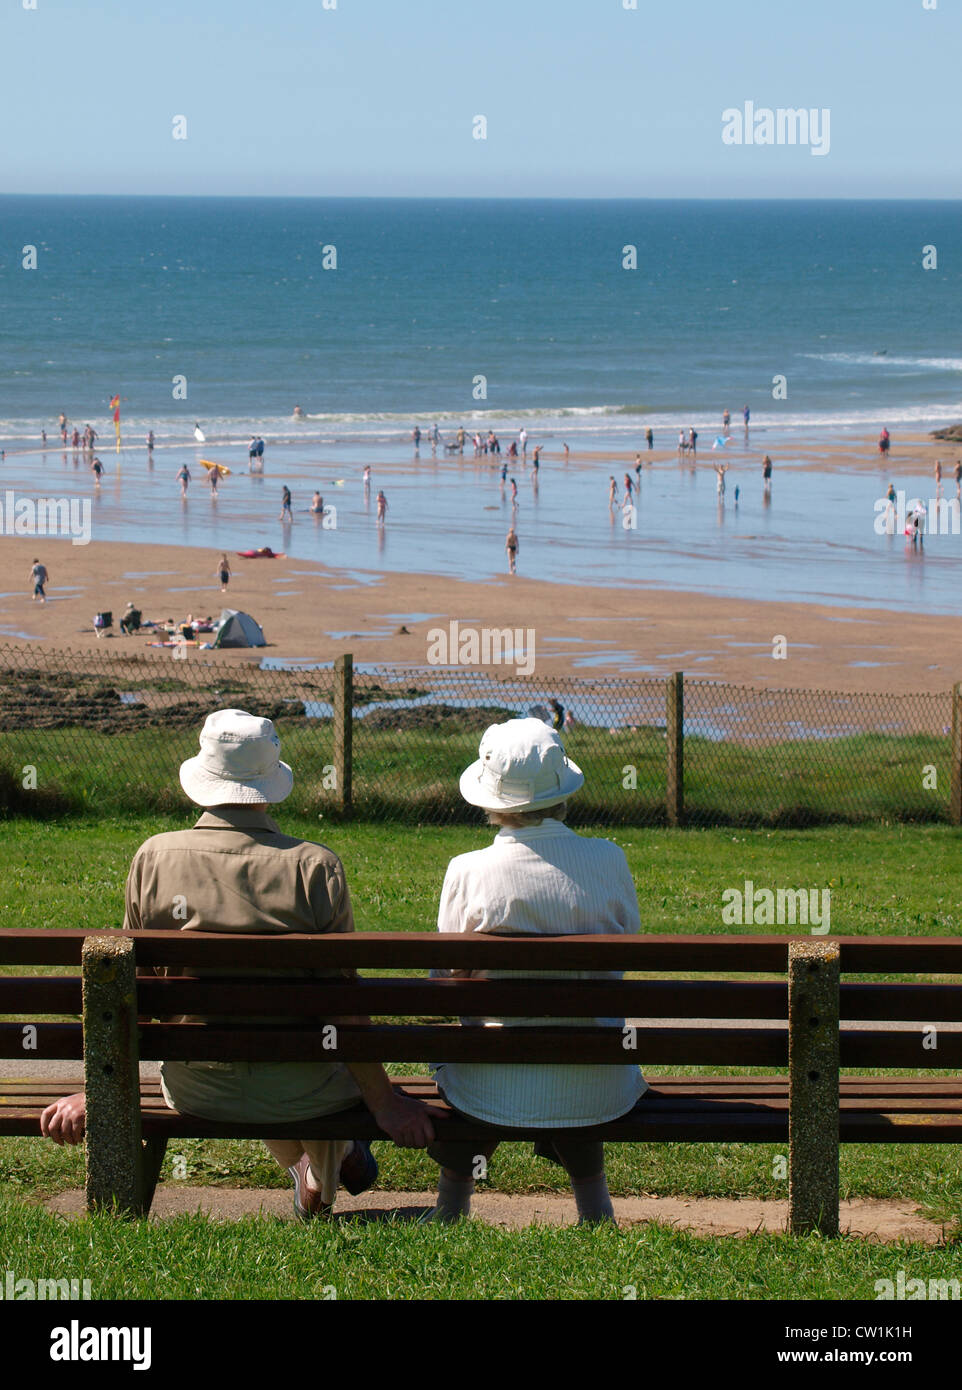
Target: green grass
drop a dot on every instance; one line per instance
(412, 774)
(193, 1258)
(904, 880)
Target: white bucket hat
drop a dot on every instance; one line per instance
(521, 768)
(238, 764)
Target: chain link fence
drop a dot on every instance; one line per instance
(92, 731)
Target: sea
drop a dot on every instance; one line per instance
(376, 314)
(585, 322)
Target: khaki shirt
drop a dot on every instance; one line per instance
(236, 871)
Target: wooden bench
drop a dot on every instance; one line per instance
(790, 1022)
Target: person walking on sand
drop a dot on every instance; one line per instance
(938, 477)
(746, 416)
(567, 452)
(767, 473)
(511, 547)
(286, 513)
(638, 473)
(62, 426)
(223, 573)
(514, 492)
(381, 507)
(629, 486)
(523, 440)
(214, 479)
(150, 441)
(650, 437)
(39, 577)
(367, 477)
(183, 477)
(726, 419)
(612, 491)
(692, 441)
(97, 468)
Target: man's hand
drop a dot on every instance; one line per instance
(407, 1121)
(64, 1121)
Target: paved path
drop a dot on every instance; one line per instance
(876, 1220)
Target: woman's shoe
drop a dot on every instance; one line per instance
(307, 1200)
(359, 1168)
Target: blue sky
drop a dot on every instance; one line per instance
(583, 98)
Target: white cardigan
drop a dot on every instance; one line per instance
(548, 880)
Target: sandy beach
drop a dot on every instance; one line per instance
(314, 612)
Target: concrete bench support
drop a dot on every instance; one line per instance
(114, 1152)
(813, 1064)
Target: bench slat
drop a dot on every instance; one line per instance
(420, 950)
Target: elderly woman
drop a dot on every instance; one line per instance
(537, 877)
(235, 871)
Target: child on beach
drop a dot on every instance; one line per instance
(381, 507)
(223, 573)
(97, 468)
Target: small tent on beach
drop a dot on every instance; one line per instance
(237, 629)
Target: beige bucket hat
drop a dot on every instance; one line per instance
(238, 764)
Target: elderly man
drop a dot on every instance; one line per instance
(538, 877)
(235, 871)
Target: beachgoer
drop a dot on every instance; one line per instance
(629, 486)
(692, 440)
(381, 507)
(513, 449)
(511, 547)
(523, 439)
(43, 436)
(537, 878)
(286, 513)
(416, 436)
(884, 442)
(720, 470)
(612, 490)
(92, 436)
(317, 504)
(460, 439)
(39, 578)
(241, 872)
(557, 714)
(75, 438)
(367, 477)
(650, 437)
(726, 419)
(891, 493)
(504, 471)
(298, 413)
(514, 491)
(223, 573)
(97, 468)
(536, 456)
(638, 472)
(938, 477)
(183, 477)
(214, 479)
(746, 416)
(130, 622)
(567, 452)
(150, 441)
(535, 465)
(767, 471)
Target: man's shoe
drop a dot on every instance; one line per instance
(359, 1169)
(307, 1200)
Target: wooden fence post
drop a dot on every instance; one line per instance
(813, 1053)
(955, 783)
(675, 739)
(343, 728)
(114, 1153)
